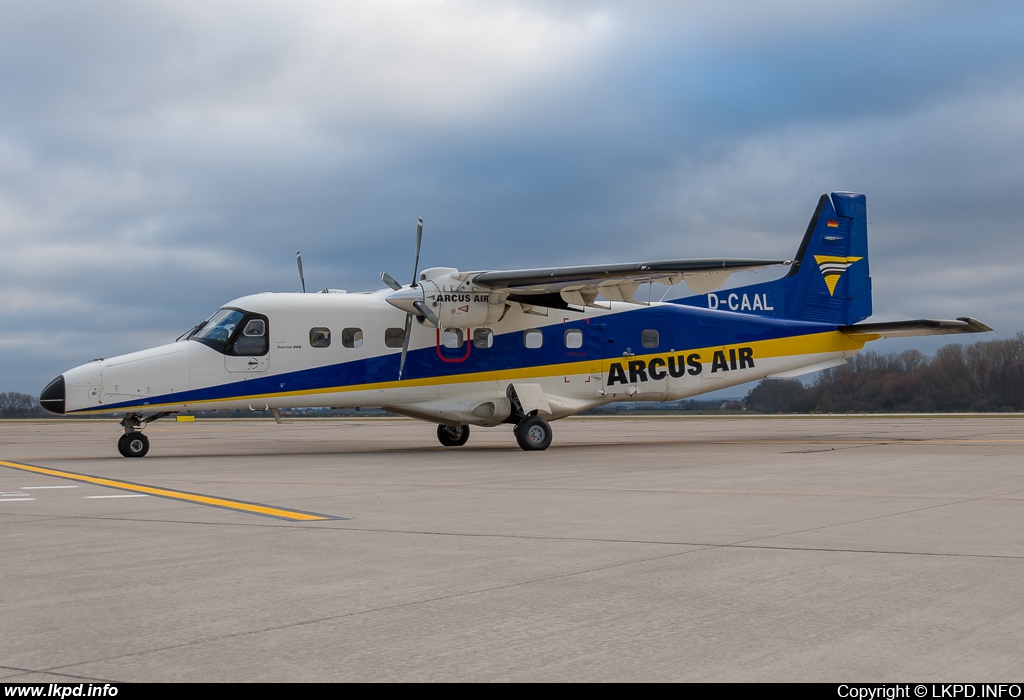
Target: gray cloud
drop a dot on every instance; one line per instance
(158, 160)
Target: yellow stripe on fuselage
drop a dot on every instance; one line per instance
(809, 344)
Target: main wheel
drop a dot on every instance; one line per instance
(133, 445)
(453, 435)
(533, 433)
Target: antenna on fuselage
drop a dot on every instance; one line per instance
(298, 259)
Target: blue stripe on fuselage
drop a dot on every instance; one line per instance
(679, 328)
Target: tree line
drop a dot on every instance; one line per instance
(986, 376)
(15, 405)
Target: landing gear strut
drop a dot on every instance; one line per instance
(133, 443)
(533, 433)
(453, 435)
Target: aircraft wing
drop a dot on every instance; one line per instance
(581, 284)
(921, 326)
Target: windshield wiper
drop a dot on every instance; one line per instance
(191, 331)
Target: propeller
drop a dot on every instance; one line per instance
(405, 344)
(390, 281)
(427, 313)
(409, 298)
(419, 242)
(298, 259)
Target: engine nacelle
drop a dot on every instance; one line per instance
(460, 304)
(450, 296)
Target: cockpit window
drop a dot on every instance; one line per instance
(218, 329)
(255, 327)
(234, 332)
(253, 340)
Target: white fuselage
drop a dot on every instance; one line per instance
(623, 353)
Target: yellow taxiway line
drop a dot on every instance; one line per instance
(241, 506)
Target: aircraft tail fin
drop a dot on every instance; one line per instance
(829, 281)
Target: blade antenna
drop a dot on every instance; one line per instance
(298, 259)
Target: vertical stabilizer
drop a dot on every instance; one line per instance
(829, 281)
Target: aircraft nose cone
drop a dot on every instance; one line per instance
(52, 397)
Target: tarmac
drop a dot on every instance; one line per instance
(837, 549)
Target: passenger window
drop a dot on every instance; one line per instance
(452, 338)
(649, 339)
(533, 338)
(483, 338)
(320, 337)
(573, 338)
(352, 337)
(394, 337)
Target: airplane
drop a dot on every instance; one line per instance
(520, 347)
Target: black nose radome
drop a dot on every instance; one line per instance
(52, 398)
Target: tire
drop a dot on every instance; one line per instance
(133, 445)
(452, 435)
(533, 433)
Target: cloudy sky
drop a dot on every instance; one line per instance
(158, 159)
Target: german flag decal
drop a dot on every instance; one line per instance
(832, 223)
(832, 268)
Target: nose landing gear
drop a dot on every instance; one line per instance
(133, 443)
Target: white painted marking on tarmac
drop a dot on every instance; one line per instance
(126, 495)
(8, 500)
(37, 488)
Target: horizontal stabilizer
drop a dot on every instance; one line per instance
(801, 371)
(921, 326)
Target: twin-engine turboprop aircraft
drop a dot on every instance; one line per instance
(523, 347)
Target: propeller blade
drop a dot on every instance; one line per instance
(426, 313)
(417, 304)
(405, 344)
(419, 241)
(298, 259)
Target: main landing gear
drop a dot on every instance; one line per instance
(133, 443)
(533, 433)
(453, 435)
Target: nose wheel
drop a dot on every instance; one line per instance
(452, 435)
(133, 445)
